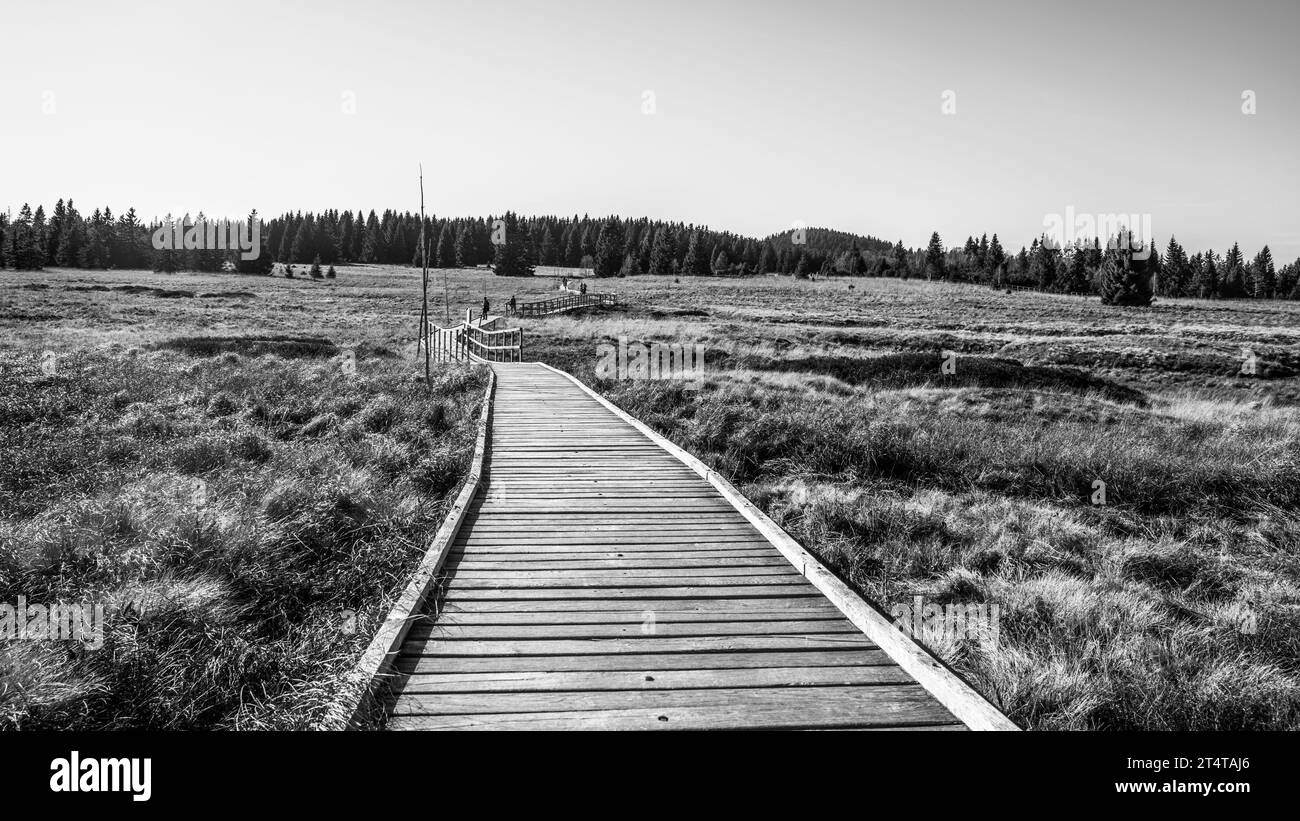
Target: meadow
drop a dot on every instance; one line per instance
(242, 493)
(1172, 603)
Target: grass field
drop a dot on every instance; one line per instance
(1175, 604)
(243, 494)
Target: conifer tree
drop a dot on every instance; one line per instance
(1232, 276)
(465, 248)
(853, 265)
(801, 265)
(1207, 277)
(1125, 277)
(514, 257)
(445, 254)
(693, 264)
(663, 253)
(573, 249)
(898, 261)
(54, 232)
(994, 257)
(21, 247)
(72, 239)
(1263, 276)
(722, 262)
(547, 253)
(1076, 279)
(1175, 274)
(934, 258)
(608, 256)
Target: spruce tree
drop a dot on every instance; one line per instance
(801, 265)
(934, 258)
(898, 261)
(722, 262)
(22, 250)
(372, 240)
(1207, 277)
(1263, 276)
(853, 265)
(444, 255)
(1125, 278)
(72, 239)
(465, 256)
(1232, 276)
(547, 253)
(608, 256)
(1175, 274)
(994, 257)
(54, 233)
(693, 264)
(663, 253)
(514, 257)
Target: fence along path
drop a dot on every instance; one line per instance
(599, 582)
(568, 302)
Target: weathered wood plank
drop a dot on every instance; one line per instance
(543, 682)
(639, 644)
(774, 708)
(649, 627)
(643, 662)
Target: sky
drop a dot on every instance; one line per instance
(893, 119)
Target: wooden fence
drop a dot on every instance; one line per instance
(564, 303)
(477, 341)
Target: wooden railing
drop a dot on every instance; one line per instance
(477, 340)
(564, 303)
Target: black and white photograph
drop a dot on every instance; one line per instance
(579, 369)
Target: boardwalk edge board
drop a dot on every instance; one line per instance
(377, 663)
(947, 687)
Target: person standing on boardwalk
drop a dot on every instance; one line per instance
(513, 305)
(486, 306)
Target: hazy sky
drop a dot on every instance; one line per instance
(765, 113)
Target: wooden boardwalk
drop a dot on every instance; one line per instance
(600, 583)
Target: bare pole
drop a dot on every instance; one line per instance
(446, 299)
(424, 283)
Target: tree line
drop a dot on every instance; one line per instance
(613, 246)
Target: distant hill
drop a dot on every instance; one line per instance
(829, 242)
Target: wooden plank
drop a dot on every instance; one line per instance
(664, 562)
(806, 597)
(597, 680)
(642, 662)
(683, 556)
(772, 708)
(553, 577)
(640, 644)
(749, 615)
(445, 631)
(631, 592)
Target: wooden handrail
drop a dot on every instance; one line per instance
(471, 342)
(564, 303)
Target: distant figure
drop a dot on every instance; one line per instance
(486, 306)
(512, 304)
(582, 288)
